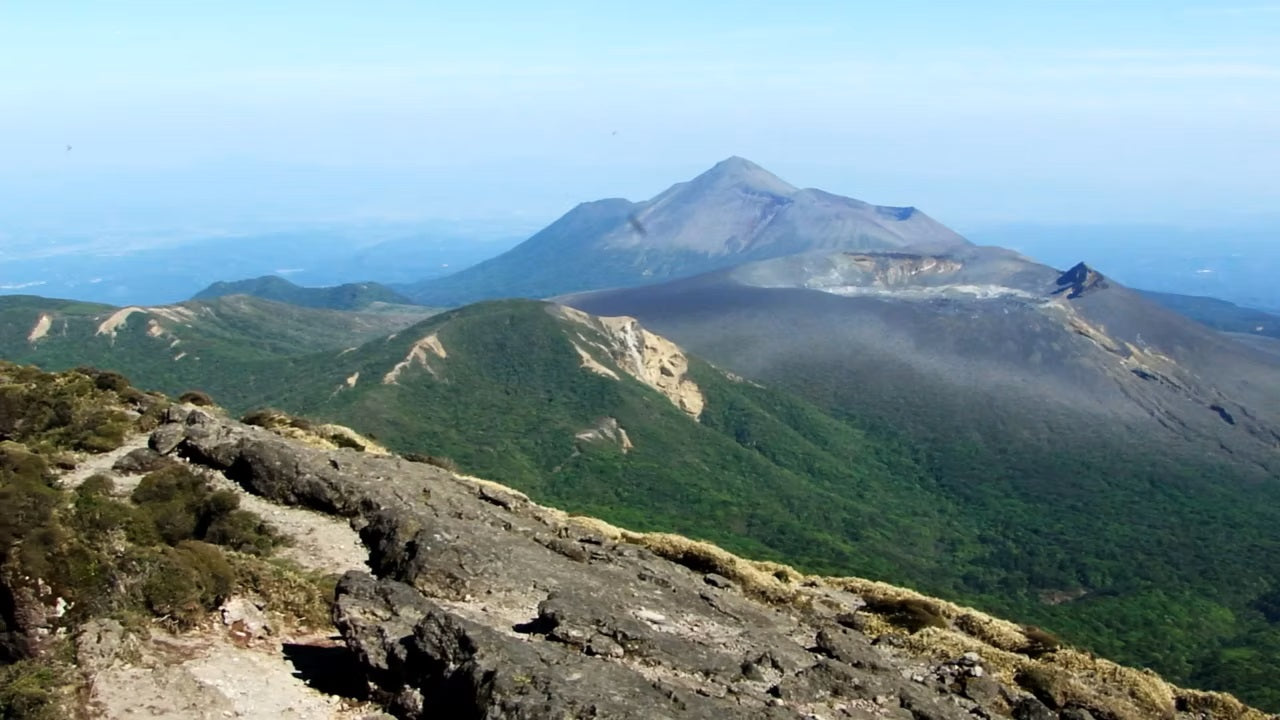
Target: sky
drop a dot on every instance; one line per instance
(206, 117)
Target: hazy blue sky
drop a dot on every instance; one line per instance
(201, 115)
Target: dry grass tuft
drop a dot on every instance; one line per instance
(325, 436)
(597, 527)
(759, 580)
(941, 644)
(1218, 706)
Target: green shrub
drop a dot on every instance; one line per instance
(96, 514)
(182, 506)
(243, 531)
(31, 690)
(97, 484)
(25, 495)
(100, 431)
(105, 379)
(185, 582)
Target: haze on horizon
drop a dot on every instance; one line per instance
(238, 115)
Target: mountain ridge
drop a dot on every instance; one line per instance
(349, 296)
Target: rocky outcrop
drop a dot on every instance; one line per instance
(1080, 280)
(419, 354)
(605, 430)
(483, 604)
(645, 356)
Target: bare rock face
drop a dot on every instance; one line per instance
(485, 605)
(1079, 280)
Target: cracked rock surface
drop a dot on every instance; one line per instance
(482, 604)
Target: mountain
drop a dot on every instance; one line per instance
(733, 213)
(1089, 431)
(1029, 339)
(458, 597)
(188, 345)
(352, 296)
(604, 417)
(1219, 314)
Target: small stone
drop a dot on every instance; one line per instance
(569, 635)
(977, 671)
(718, 581)
(245, 618)
(650, 616)
(604, 646)
(853, 621)
(1032, 709)
(970, 658)
(982, 690)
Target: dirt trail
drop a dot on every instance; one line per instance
(205, 675)
(94, 464)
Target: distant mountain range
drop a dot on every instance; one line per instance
(733, 213)
(352, 296)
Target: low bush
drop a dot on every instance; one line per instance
(106, 379)
(185, 582)
(182, 506)
(911, 614)
(1039, 641)
(197, 398)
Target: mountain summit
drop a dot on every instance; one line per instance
(733, 213)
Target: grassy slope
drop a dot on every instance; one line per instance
(512, 395)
